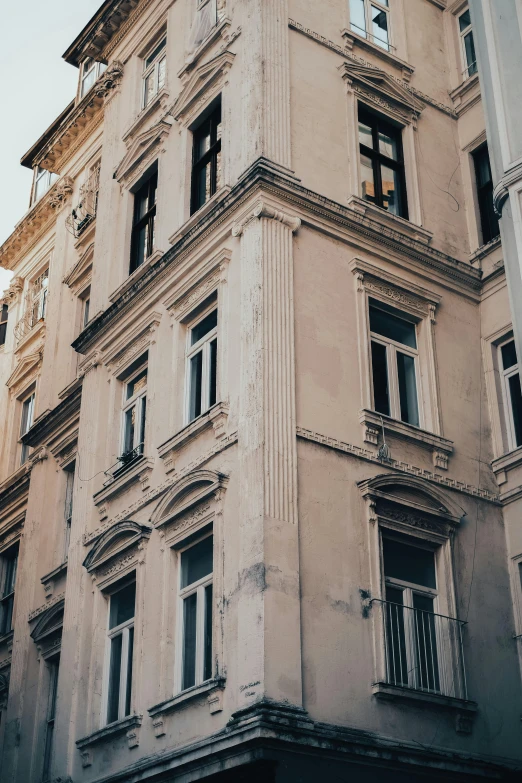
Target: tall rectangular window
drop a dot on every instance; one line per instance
(26, 422)
(394, 358)
(90, 71)
(142, 241)
(370, 19)
(9, 565)
(43, 180)
(512, 393)
(37, 302)
(69, 489)
(467, 45)
(154, 72)
(382, 166)
(53, 669)
(196, 603)
(202, 364)
(206, 159)
(488, 218)
(134, 415)
(3, 323)
(120, 641)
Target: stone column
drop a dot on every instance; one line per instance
(269, 630)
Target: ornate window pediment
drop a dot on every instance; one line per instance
(118, 542)
(78, 277)
(25, 370)
(201, 87)
(49, 623)
(380, 90)
(142, 151)
(193, 490)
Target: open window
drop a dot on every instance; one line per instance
(120, 647)
(371, 19)
(43, 180)
(201, 362)
(467, 45)
(144, 218)
(26, 421)
(484, 183)
(383, 181)
(207, 172)
(53, 667)
(154, 71)
(511, 392)
(134, 413)
(195, 607)
(90, 71)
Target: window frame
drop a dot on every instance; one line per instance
(45, 176)
(392, 348)
(8, 557)
(127, 667)
(139, 399)
(469, 69)
(70, 471)
(198, 588)
(505, 375)
(375, 121)
(29, 397)
(97, 69)
(381, 5)
(148, 185)
(484, 193)
(214, 154)
(201, 346)
(4, 317)
(53, 665)
(153, 69)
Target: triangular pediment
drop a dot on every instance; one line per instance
(142, 148)
(27, 365)
(200, 82)
(78, 274)
(378, 84)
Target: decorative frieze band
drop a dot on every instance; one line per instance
(262, 210)
(46, 606)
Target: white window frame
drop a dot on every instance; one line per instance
(462, 35)
(122, 629)
(95, 69)
(392, 347)
(70, 472)
(29, 398)
(53, 673)
(85, 298)
(184, 593)
(37, 299)
(138, 400)
(42, 176)
(8, 590)
(381, 6)
(203, 345)
(153, 70)
(505, 375)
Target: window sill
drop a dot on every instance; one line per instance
(109, 731)
(465, 710)
(138, 470)
(215, 417)
(466, 94)
(388, 221)
(503, 464)
(209, 689)
(49, 579)
(440, 447)
(221, 30)
(199, 215)
(135, 276)
(37, 330)
(484, 250)
(350, 38)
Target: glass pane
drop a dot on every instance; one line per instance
(87, 81)
(357, 19)
(86, 306)
(516, 407)
(114, 679)
(425, 645)
(129, 424)
(197, 562)
(482, 167)
(205, 326)
(390, 190)
(509, 355)
(393, 327)
(407, 389)
(213, 373)
(202, 140)
(469, 47)
(207, 664)
(122, 605)
(142, 423)
(196, 378)
(140, 246)
(155, 53)
(379, 27)
(408, 563)
(162, 69)
(148, 89)
(464, 21)
(365, 135)
(189, 641)
(128, 692)
(367, 179)
(137, 384)
(381, 399)
(388, 144)
(397, 664)
(11, 564)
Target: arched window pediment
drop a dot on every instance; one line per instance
(189, 491)
(114, 542)
(51, 621)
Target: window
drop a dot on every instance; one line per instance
(511, 392)
(38, 293)
(9, 566)
(69, 488)
(467, 45)
(90, 71)
(488, 219)
(370, 20)
(195, 595)
(43, 180)
(382, 168)
(202, 364)
(394, 358)
(206, 160)
(85, 299)
(53, 668)
(154, 71)
(26, 423)
(3, 323)
(142, 243)
(120, 640)
(134, 414)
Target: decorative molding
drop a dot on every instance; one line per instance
(501, 192)
(394, 290)
(139, 470)
(78, 275)
(350, 38)
(204, 83)
(126, 347)
(109, 80)
(61, 192)
(14, 292)
(24, 372)
(373, 423)
(187, 494)
(212, 690)
(215, 417)
(263, 210)
(393, 464)
(142, 151)
(198, 287)
(128, 726)
(379, 88)
(466, 95)
(44, 608)
(90, 362)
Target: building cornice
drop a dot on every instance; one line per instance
(99, 31)
(313, 207)
(46, 425)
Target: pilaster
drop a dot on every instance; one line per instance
(269, 636)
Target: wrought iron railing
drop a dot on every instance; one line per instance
(85, 211)
(422, 650)
(124, 461)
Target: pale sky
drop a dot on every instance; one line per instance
(35, 84)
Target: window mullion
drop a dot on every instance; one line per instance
(124, 671)
(205, 377)
(200, 633)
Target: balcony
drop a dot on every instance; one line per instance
(84, 212)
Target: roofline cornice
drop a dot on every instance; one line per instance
(99, 30)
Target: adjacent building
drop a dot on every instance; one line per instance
(260, 407)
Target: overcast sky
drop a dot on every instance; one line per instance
(35, 84)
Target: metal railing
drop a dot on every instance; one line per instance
(124, 461)
(85, 211)
(423, 650)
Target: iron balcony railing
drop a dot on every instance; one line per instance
(85, 211)
(423, 650)
(124, 461)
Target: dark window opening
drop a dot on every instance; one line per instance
(3, 324)
(142, 243)
(206, 160)
(488, 218)
(383, 180)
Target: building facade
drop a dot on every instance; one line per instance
(258, 391)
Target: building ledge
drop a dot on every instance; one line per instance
(350, 38)
(466, 95)
(158, 102)
(56, 573)
(139, 470)
(484, 250)
(221, 30)
(6, 638)
(139, 272)
(200, 214)
(128, 726)
(373, 423)
(466, 709)
(506, 462)
(387, 220)
(208, 689)
(215, 417)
